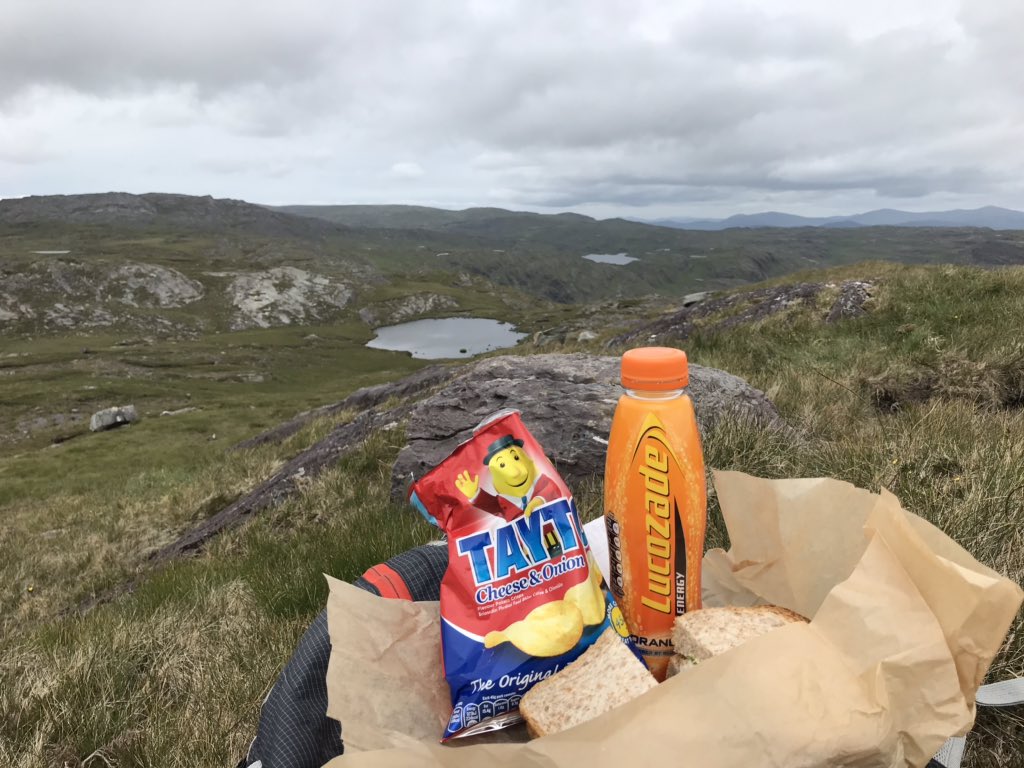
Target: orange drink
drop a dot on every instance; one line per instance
(655, 500)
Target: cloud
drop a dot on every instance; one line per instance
(406, 170)
(107, 47)
(631, 104)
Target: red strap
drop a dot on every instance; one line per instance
(388, 582)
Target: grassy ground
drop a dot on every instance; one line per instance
(173, 675)
(81, 515)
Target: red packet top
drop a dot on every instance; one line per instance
(521, 597)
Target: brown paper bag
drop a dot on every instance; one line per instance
(905, 624)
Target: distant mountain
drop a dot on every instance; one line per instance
(990, 216)
(747, 220)
(421, 217)
(840, 224)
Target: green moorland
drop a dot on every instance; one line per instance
(540, 253)
(365, 247)
(924, 395)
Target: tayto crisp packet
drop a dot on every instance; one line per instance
(522, 596)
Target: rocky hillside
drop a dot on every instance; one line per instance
(158, 210)
(175, 264)
(53, 296)
(62, 295)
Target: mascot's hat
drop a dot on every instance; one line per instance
(499, 445)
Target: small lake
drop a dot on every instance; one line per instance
(618, 259)
(447, 337)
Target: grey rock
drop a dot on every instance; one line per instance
(54, 294)
(739, 309)
(362, 400)
(150, 285)
(567, 402)
(283, 296)
(109, 418)
(179, 411)
(853, 295)
(695, 298)
(586, 335)
(405, 308)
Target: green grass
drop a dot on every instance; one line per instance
(82, 515)
(173, 675)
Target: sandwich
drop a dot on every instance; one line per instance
(701, 634)
(606, 675)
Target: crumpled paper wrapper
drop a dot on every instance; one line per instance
(905, 624)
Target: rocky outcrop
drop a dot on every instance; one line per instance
(149, 285)
(405, 308)
(55, 294)
(363, 399)
(716, 314)
(284, 295)
(566, 401)
(853, 295)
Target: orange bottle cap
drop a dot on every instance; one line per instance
(655, 368)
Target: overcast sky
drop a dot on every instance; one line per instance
(634, 108)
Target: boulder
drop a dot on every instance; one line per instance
(694, 298)
(109, 418)
(566, 400)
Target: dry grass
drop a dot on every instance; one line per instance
(997, 382)
(107, 693)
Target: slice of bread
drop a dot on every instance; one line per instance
(605, 676)
(701, 634)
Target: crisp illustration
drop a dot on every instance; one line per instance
(554, 628)
(520, 488)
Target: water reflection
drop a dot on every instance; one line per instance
(447, 337)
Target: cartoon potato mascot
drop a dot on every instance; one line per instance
(520, 489)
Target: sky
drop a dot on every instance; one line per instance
(636, 108)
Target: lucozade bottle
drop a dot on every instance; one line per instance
(655, 500)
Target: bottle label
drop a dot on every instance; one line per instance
(647, 544)
(655, 485)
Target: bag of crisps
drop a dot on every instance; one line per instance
(522, 596)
